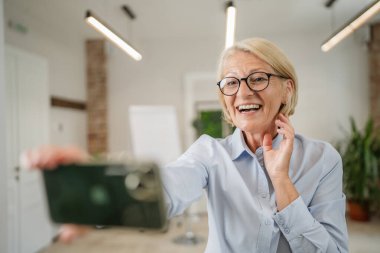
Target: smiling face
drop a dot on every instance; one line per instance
(254, 112)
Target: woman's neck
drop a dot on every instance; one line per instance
(255, 140)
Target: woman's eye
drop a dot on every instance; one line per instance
(258, 80)
(231, 83)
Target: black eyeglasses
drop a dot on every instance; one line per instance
(256, 81)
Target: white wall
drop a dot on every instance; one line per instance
(332, 85)
(3, 165)
(156, 80)
(65, 53)
(68, 127)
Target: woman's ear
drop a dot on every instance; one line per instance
(288, 91)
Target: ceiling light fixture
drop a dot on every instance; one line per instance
(101, 27)
(230, 25)
(351, 26)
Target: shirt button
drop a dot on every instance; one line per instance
(286, 230)
(263, 195)
(280, 221)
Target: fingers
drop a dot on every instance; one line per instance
(70, 232)
(72, 155)
(267, 142)
(29, 159)
(49, 157)
(284, 127)
(45, 157)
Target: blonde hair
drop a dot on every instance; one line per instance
(271, 54)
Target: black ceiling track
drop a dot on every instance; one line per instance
(128, 11)
(329, 3)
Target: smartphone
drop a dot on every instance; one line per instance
(126, 194)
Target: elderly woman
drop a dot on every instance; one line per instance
(268, 189)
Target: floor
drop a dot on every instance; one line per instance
(364, 238)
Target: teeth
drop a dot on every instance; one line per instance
(248, 107)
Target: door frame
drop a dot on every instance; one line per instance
(3, 147)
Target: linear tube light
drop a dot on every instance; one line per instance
(112, 36)
(351, 26)
(230, 25)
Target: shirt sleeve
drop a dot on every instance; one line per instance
(185, 178)
(321, 226)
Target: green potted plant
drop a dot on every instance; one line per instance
(361, 170)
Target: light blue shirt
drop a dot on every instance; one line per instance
(242, 212)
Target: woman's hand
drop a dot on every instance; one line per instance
(277, 162)
(49, 157)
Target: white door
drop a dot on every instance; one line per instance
(28, 108)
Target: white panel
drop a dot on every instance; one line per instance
(154, 132)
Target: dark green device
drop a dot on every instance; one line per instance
(127, 194)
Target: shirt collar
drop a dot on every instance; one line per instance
(238, 144)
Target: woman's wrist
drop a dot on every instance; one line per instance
(285, 192)
(279, 175)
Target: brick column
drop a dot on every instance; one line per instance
(374, 72)
(96, 96)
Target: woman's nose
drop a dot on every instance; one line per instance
(244, 90)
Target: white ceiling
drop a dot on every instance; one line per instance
(191, 18)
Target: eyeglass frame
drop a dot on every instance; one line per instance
(269, 75)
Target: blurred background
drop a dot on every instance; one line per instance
(65, 84)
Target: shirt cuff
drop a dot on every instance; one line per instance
(294, 219)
